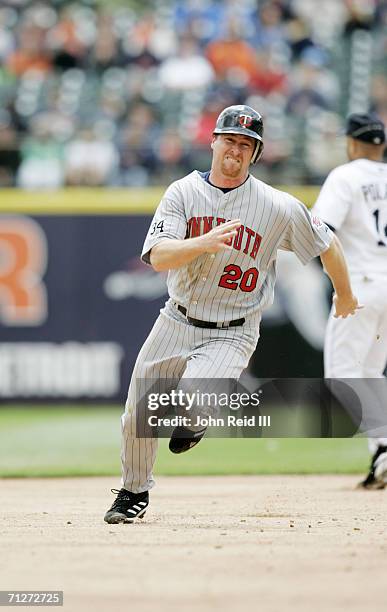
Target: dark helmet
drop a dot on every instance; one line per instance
(368, 128)
(244, 120)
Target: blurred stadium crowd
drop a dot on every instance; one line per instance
(126, 94)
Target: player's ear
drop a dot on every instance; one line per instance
(213, 140)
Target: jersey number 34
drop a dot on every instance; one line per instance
(233, 278)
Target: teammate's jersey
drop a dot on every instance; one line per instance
(353, 200)
(232, 283)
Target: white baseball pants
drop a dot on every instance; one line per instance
(356, 347)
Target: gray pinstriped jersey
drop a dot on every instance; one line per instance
(237, 282)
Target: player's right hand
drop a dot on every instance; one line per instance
(220, 237)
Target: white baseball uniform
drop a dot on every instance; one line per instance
(353, 201)
(231, 284)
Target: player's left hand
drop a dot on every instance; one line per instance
(345, 305)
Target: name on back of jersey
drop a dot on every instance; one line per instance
(374, 192)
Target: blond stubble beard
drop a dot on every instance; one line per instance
(226, 168)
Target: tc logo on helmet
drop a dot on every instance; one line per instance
(245, 120)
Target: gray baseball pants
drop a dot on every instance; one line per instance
(176, 349)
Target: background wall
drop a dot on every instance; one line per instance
(76, 302)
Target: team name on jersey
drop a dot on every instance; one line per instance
(247, 240)
(374, 192)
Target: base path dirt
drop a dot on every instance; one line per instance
(302, 543)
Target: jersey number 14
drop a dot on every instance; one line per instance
(382, 231)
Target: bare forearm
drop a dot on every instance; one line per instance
(333, 260)
(172, 254)
(335, 266)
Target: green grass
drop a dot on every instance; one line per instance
(79, 441)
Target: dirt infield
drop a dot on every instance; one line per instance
(267, 543)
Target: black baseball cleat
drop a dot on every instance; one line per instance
(377, 476)
(184, 439)
(127, 507)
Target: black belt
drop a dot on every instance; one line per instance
(210, 324)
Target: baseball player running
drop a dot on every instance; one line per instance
(353, 202)
(217, 233)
